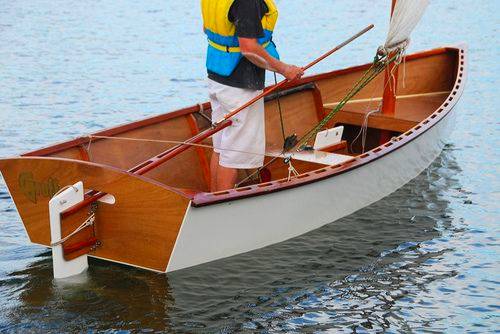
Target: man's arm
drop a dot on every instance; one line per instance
(254, 52)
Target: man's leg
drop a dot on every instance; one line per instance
(214, 167)
(221, 178)
(226, 178)
(246, 134)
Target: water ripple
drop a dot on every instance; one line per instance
(424, 259)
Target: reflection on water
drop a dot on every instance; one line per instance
(363, 271)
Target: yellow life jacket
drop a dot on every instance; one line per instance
(223, 53)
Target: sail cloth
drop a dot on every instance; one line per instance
(405, 17)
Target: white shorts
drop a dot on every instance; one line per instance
(246, 134)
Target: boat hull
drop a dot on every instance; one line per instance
(229, 228)
(165, 221)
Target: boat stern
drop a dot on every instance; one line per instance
(138, 227)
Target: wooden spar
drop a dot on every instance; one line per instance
(305, 68)
(217, 126)
(204, 164)
(390, 90)
(150, 164)
(169, 154)
(399, 97)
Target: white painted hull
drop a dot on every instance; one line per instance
(229, 228)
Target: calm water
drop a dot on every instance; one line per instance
(424, 259)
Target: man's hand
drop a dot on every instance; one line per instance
(292, 72)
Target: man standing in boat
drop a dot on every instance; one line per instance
(240, 49)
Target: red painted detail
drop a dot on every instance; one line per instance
(265, 175)
(69, 249)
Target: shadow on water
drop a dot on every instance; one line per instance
(351, 275)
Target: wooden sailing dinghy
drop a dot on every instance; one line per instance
(166, 219)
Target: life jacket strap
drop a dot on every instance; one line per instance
(226, 48)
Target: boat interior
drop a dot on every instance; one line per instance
(424, 84)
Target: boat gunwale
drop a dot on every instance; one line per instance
(114, 169)
(207, 198)
(116, 130)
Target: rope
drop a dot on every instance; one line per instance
(291, 169)
(193, 144)
(380, 62)
(175, 142)
(363, 131)
(88, 222)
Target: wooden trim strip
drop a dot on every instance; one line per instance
(318, 103)
(84, 154)
(89, 199)
(205, 166)
(377, 99)
(78, 246)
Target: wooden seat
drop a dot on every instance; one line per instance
(317, 157)
(376, 121)
(410, 110)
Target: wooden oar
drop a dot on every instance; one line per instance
(216, 127)
(305, 68)
(223, 123)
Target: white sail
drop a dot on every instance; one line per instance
(406, 15)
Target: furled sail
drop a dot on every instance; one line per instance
(405, 17)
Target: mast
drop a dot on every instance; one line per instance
(390, 89)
